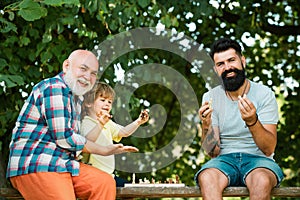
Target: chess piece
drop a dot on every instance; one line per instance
(133, 178)
(153, 181)
(176, 179)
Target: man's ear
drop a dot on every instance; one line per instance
(243, 61)
(66, 65)
(215, 69)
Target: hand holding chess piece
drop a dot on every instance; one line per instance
(143, 117)
(103, 117)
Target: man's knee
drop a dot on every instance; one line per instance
(214, 176)
(261, 177)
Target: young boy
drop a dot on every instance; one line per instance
(96, 111)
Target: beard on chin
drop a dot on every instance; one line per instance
(72, 82)
(233, 83)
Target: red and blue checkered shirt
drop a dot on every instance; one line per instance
(46, 138)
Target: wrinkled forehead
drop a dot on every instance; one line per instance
(225, 55)
(85, 58)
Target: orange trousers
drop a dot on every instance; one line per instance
(91, 183)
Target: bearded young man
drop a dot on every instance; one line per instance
(46, 142)
(239, 129)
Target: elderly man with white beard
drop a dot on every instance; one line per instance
(46, 141)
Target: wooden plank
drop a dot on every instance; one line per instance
(147, 192)
(286, 192)
(163, 192)
(10, 193)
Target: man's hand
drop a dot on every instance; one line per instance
(91, 147)
(130, 149)
(119, 149)
(205, 112)
(247, 110)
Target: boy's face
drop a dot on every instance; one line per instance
(103, 104)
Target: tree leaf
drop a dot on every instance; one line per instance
(31, 11)
(7, 26)
(3, 62)
(60, 2)
(53, 2)
(11, 80)
(24, 41)
(143, 3)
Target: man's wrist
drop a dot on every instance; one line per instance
(254, 123)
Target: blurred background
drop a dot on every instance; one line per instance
(36, 36)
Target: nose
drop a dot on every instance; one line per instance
(226, 65)
(87, 76)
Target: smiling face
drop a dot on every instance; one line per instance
(99, 100)
(80, 70)
(102, 104)
(230, 68)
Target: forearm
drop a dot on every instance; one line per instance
(129, 129)
(95, 132)
(93, 148)
(210, 141)
(265, 137)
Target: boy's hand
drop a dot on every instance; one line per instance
(103, 117)
(144, 117)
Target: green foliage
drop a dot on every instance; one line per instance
(31, 11)
(36, 36)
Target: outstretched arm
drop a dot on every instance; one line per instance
(91, 147)
(132, 127)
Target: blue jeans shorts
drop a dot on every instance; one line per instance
(236, 166)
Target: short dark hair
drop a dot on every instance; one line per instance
(224, 44)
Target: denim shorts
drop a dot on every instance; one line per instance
(236, 166)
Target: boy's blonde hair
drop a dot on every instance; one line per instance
(100, 89)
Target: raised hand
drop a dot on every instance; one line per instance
(143, 117)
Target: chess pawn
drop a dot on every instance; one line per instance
(133, 178)
(153, 181)
(177, 179)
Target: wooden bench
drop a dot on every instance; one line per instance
(164, 192)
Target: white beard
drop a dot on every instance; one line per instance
(73, 84)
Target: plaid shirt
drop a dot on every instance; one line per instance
(45, 138)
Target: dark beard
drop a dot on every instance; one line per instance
(234, 83)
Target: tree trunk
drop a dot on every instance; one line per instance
(3, 180)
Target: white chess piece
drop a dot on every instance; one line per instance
(133, 178)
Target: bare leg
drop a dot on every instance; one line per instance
(260, 182)
(212, 183)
